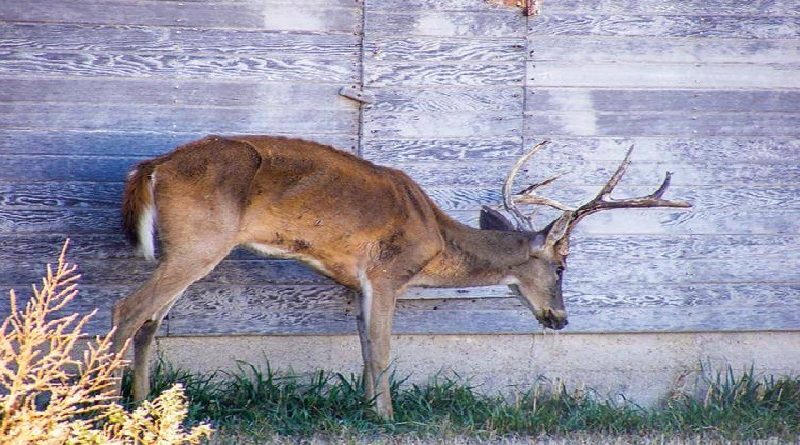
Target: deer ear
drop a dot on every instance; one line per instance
(491, 219)
(558, 230)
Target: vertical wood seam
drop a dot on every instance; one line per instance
(360, 142)
(525, 83)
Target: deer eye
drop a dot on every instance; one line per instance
(559, 271)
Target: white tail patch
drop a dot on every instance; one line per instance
(146, 227)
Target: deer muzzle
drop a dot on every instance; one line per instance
(553, 318)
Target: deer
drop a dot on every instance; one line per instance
(370, 228)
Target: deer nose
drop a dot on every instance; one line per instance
(554, 319)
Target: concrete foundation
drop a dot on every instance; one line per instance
(643, 367)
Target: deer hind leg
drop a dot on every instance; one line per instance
(139, 315)
(376, 311)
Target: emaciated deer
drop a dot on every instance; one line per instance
(368, 227)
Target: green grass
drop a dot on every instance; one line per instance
(264, 404)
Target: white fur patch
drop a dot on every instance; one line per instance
(277, 252)
(366, 297)
(147, 226)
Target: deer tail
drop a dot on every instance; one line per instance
(139, 209)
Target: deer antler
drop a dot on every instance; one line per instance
(527, 195)
(603, 200)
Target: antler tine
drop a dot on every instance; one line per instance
(523, 222)
(604, 201)
(527, 196)
(617, 176)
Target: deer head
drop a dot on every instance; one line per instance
(538, 281)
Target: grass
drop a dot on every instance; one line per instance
(254, 404)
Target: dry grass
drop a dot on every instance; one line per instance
(50, 396)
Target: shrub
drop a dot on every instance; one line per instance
(52, 394)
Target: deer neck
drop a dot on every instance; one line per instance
(475, 257)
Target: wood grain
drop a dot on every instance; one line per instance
(566, 149)
(686, 101)
(657, 123)
(499, 23)
(641, 173)
(171, 118)
(389, 74)
(491, 99)
(662, 75)
(146, 143)
(51, 37)
(654, 7)
(140, 91)
(701, 197)
(740, 248)
(687, 7)
(562, 48)
(388, 151)
(262, 68)
(739, 27)
(744, 221)
(410, 125)
(249, 15)
(453, 174)
(439, 49)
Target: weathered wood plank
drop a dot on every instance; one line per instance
(126, 144)
(745, 221)
(212, 67)
(693, 7)
(656, 7)
(438, 49)
(667, 222)
(586, 294)
(61, 194)
(386, 151)
(660, 49)
(496, 322)
(441, 5)
(662, 75)
(403, 125)
(188, 119)
(701, 197)
(582, 269)
(52, 37)
(500, 23)
(278, 309)
(655, 123)
(312, 18)
(46, 247)
(640, 173)
(738, 27)
(686, 101)
(136, 271)
(716, 150)
(126, 13)
(253, 15)
(389, 74)
(453, 174)
(175, 92)
(690, 149)
(491, 99)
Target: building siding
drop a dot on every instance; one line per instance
(708, 90)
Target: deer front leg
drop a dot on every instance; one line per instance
(376, 310)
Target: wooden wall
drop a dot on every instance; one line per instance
(707, 89)
(89, 88)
